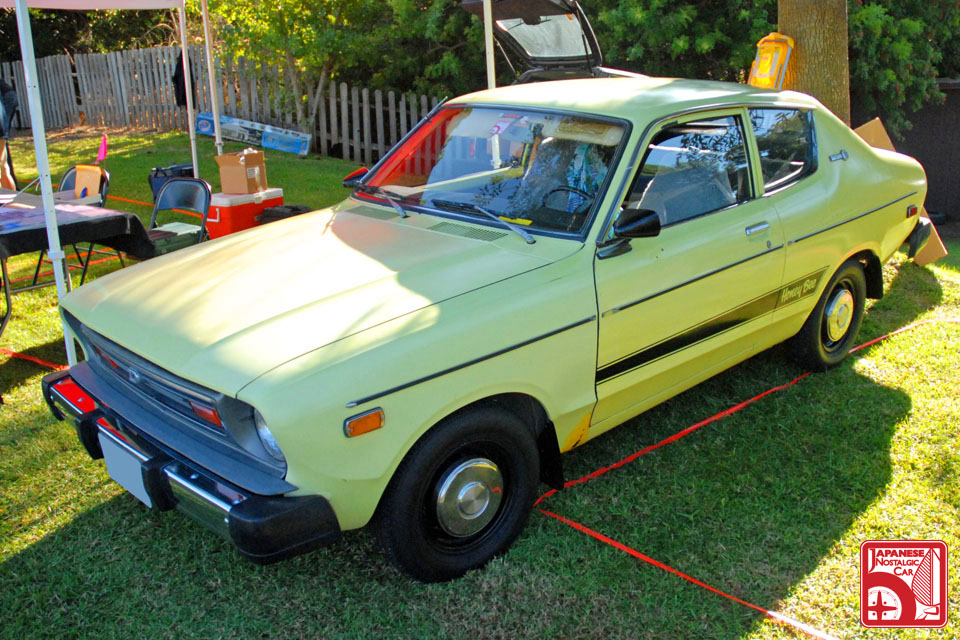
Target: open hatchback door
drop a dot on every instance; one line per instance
(545, 39)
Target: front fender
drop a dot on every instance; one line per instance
(534, 334)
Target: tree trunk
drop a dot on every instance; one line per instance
(820, 64)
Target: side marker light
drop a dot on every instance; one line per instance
(206, 413)
(363, 423)
(912, 210)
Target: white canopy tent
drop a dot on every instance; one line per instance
(36, 108)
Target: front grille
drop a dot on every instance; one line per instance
(143, 378)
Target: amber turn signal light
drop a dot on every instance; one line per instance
(363, 423)
(206, 413)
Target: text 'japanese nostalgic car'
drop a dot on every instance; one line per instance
(528, 268)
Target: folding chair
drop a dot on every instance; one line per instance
(84, 180)
(180, 194)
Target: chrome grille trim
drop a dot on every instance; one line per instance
(145, 379)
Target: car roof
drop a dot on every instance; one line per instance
(640, 98)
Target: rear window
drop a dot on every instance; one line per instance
(787, 145)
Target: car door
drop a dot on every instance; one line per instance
(689, 302)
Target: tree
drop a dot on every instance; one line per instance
(308, 39)
(820, 61)
(702, 39)
(70, 32)
(898, 49)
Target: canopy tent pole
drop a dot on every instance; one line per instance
(55, 251)
(488, 43)
(214, 101)
(188, 83)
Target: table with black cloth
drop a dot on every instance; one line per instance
(23, 229)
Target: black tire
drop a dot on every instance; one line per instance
(410, 527)
(828, 334)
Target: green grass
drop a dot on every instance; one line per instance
(770, 504)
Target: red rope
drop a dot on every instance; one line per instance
(681, 434)
(50, 273)
(147, 204)
(23, 356)
(776, 617)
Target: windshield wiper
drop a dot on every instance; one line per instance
(391, 197)
(467, 207)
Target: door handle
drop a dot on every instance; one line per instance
(757, 228)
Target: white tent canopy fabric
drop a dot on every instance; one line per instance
(55, 251)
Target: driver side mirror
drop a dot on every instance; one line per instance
(354, 177)
(635, 222)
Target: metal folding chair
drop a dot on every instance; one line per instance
(183, 195)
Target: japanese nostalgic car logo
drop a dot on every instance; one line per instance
(903, 583)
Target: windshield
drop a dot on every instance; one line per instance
(543, 171)
(554, 37)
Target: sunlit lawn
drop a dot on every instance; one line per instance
(770, 504)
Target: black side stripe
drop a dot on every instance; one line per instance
(757, 308)
(854, 218)
(469, 363)
(691, 281)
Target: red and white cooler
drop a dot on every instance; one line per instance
(232, 212)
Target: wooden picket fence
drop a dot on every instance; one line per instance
(135, 89)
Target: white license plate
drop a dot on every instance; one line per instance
(124, 468)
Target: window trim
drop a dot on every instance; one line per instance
(739, 115)
(630, 166)
(814, 148)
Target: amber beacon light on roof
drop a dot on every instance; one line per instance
(769, 68)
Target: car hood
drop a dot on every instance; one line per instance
(226, 311)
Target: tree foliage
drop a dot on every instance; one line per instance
(703, 39)
(59, 32)
(898, 49)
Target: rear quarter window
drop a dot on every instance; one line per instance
(786, 141)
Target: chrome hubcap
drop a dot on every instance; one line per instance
(838, 313)
(469, 496)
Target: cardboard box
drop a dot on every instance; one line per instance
(242, 172)
(875, 135)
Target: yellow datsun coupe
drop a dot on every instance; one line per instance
(530, 267)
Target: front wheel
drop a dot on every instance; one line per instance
(461, 496)
(828, 334)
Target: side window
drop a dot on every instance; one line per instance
(785, 138)
(694, 168)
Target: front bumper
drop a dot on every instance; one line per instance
(264, 528)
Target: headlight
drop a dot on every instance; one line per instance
(266, 438)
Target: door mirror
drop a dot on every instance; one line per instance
(637, 223)
(354, 177)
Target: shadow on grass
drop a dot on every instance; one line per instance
(15, 371)
(912, 291)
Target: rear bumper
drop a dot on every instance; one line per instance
(917, 239)
(263, 528)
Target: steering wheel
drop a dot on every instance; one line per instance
(565, 187)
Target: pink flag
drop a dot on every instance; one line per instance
(102, 153)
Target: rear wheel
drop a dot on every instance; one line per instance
(828, 334)
(461, 496)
